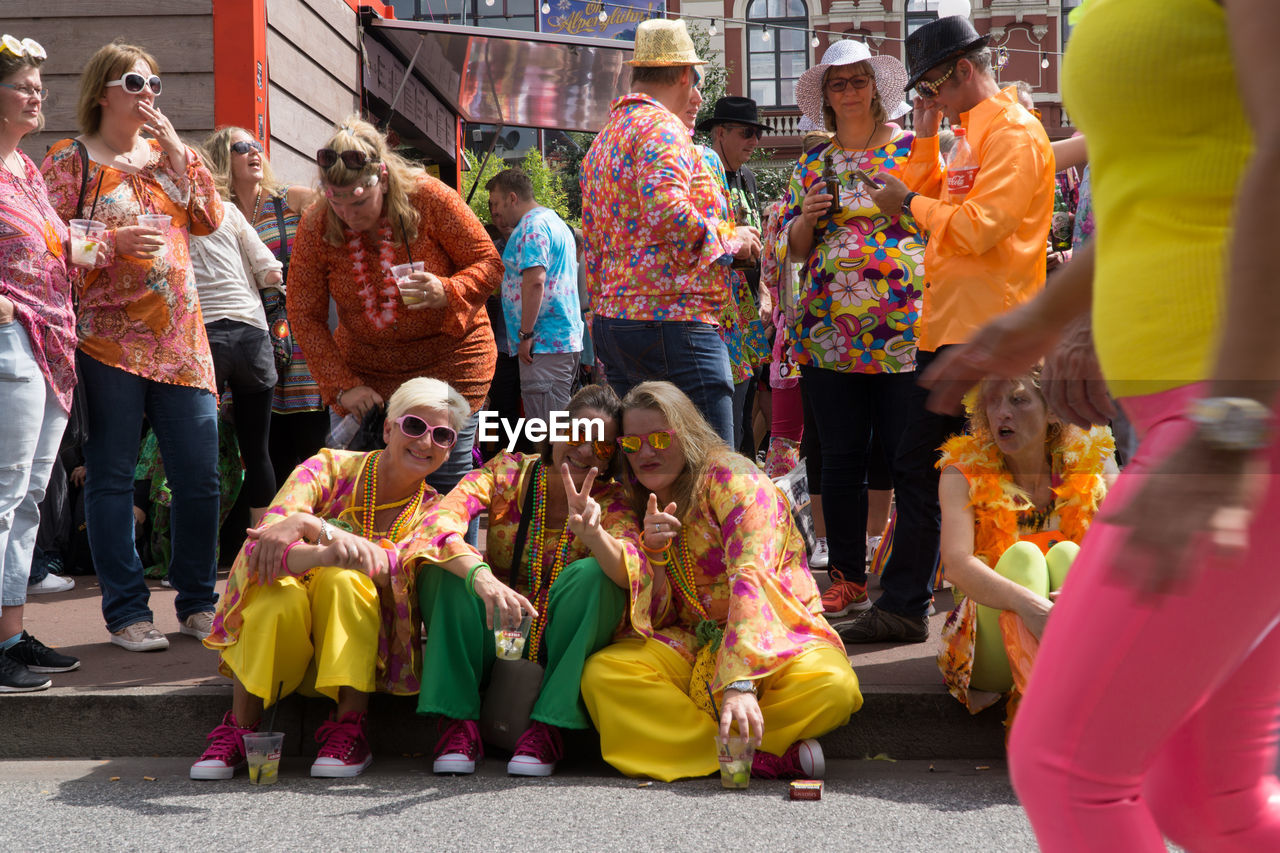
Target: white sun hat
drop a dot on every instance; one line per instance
(891, 79)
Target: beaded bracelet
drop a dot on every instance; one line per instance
(284, 558)
(471, 577)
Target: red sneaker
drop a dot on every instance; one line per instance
(844, 596)
(225, 753)
(344, 747)
(803, 760)
(537, 751)
(458, 748)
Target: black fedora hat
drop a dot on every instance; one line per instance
(939, 41)
(732, 109)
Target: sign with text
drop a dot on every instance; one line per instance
(582, 17)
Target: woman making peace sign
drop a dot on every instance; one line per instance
(729, 610)
(579, 543)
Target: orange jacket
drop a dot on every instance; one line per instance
(987, 254)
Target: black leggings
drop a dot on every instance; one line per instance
(253, 431)
(295, 438)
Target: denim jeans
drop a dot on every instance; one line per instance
(185, 421)
(848, 408)
(689, 355)
(29, 439)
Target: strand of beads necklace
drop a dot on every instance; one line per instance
(540, 592)
(680, 571)
(369, 517)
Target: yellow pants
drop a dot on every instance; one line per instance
(319, 635)
(637, 694)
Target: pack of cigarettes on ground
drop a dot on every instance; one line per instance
(806, 789)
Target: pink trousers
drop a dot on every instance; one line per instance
(1157, 715)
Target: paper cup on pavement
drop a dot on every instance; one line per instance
(401, 272)
(262, 750)
(86, 237)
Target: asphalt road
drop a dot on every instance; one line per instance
(399, 805)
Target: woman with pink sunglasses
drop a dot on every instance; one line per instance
(318, 599)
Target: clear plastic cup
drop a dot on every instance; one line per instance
(509, 642)
(262, 750)
(86, 237)
(401, 272)
(158, 221)
(735, 755)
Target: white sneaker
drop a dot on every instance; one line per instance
(51, 583)
(140, 637)
(873, 542)
(198, 625)
(819, 558)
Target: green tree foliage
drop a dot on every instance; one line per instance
(473, 176)
(548, 187)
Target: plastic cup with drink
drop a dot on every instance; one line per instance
(262, 750)
(402, 273)
(509, 642)
(735, 755)
(86, 236)
(157, 222)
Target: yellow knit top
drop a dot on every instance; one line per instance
(1151, 84)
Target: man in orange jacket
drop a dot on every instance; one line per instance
(985, 254)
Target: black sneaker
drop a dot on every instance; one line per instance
(38, 657)
(881, 626)
(16, 678)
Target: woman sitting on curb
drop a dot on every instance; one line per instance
(318, 597)
(583, 544)
(1017, 495)
(728, 610)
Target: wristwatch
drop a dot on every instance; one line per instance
(1238, 424)
(326, 532)
(525, 336)
(906, 203)
(744, 685)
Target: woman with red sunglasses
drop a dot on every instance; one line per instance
(579, 545)
(727, 621)
(319, 598)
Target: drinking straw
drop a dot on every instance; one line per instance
(94, 209)
(271, 717)
(404, 235)
(712, 697)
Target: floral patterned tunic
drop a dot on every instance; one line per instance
(651, 253)
(326, 486)
(141, 315)
(861, 289)
(33, 276)
(751, 575)
(498, 487)
(383, 344)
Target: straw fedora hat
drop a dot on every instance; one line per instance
(661, 42)
(891, 80)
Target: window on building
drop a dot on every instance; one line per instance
(507, 14)
(1068, 6)
(777, 57)
(919, 13)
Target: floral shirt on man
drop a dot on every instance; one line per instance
(542, 239)
(651, 253)
(860, 290)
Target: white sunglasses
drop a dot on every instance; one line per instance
(133, 83)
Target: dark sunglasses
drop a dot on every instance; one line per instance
(326, 158)
(746, 131)
(133, 83)
(415, 427)
(658, 439)
(243, 147)
(602, 449)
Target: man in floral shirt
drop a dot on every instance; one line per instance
(657, 269)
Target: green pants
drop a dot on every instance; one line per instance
(584, 609)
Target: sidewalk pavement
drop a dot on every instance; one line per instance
(123, 703)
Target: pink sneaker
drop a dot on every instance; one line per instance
(344, 747)
(459, 747)
(537, 751)
(225, 753)
(802, 761)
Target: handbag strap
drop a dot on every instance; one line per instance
(526, 516)
(282, 253)
(84, 175)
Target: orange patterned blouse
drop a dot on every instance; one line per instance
(381, 343)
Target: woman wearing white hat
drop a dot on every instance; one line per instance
(853, 330)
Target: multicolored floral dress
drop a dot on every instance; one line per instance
(860, 291)
(326, 486)
(1002, 513)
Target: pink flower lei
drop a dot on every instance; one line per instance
(380, 302)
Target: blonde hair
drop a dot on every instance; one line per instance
(108, 64)
(217, 157)
(356, 134)
(701, 445)
(1057, 434)
(427, 393)
(877, 108)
